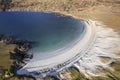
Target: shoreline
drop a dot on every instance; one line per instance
(58, 58)
(16, 42)
(38, 71)
(108, 14)
(60, 71)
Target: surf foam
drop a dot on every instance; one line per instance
(105, 45)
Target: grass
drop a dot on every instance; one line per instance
(4, 55)
(76, 75)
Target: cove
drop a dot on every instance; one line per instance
(50, 31)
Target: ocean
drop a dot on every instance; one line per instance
(49, 31)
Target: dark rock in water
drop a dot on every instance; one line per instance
(20, 60)
(20, 56)
(1, 36)
(8, 40)
(29, 56)
(25, 47)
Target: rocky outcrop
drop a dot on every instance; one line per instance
(5, 4)
(8, 40)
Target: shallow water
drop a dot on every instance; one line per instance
(50, 31)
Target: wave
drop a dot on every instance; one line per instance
(97, 42)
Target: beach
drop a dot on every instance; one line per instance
(105, 12)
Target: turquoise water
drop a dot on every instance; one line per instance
(50, 31)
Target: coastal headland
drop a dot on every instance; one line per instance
(105, 11)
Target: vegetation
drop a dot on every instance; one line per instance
(76, 75)
(9, 54)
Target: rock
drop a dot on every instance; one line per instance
(1, 36)
(8, 40)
